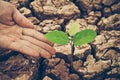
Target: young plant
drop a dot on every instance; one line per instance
(76, 38)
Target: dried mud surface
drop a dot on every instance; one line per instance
(99, 60)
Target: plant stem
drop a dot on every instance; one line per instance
(72, 54)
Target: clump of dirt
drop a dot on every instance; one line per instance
(58, 68)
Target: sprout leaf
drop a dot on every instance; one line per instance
(84, 37)
(74, 28)
(57, 37)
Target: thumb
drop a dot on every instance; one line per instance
(21, 20)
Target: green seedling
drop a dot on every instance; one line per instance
(75, 38)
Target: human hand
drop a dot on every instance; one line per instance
(25, 40)
(16, 35)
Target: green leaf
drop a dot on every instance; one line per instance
(74, 28)
(57, 37)
(84, 37)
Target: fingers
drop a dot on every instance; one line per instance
(29, 49)
(39, 44)
(20, 47)
(37, 35)
(21, 20)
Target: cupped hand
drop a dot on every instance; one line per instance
(16, 33)
(25, 40)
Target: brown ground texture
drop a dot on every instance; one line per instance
(99, 60)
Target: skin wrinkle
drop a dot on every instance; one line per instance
(12, 20)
